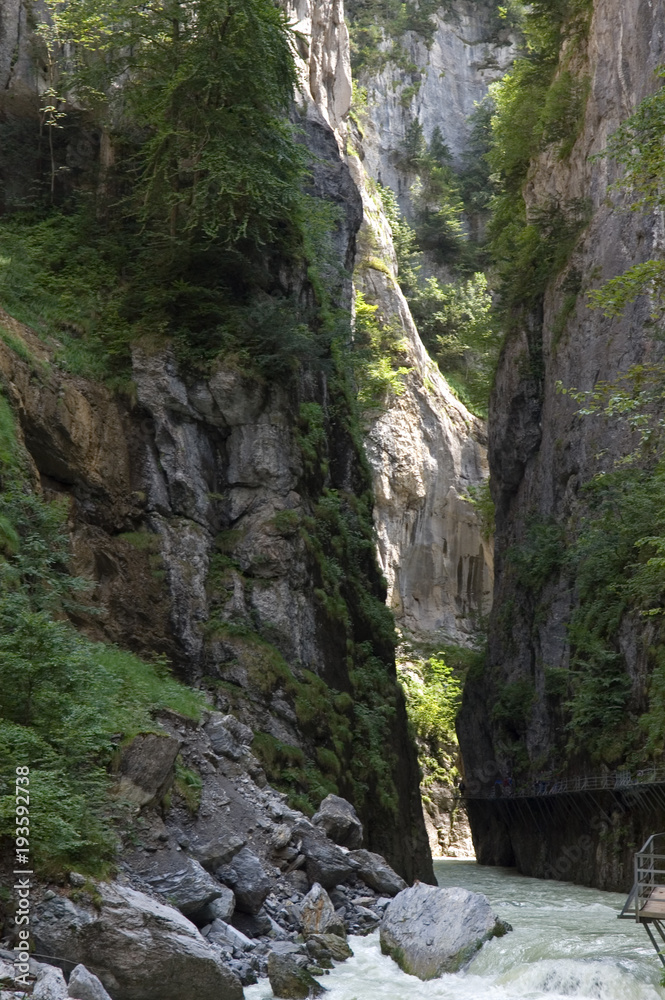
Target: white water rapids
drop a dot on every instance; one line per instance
(566, 942)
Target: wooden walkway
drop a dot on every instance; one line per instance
(653, 907)
(501, 789)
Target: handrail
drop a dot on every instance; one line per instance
(506, 787)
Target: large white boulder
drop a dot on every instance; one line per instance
(429, 931)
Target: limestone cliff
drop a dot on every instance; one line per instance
(470, 49)
(204, 511)
(542, 452)
(424, 447)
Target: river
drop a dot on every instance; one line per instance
(566, 942)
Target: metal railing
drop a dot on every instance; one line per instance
(649, 872)
(507, 788)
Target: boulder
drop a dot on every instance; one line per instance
(329, 945)
(228, 936)
(289, 981)
(253, 925)
(220, 909)
(84, 986)
(324, 862)
(228, 737)
(429, 931)
(317, 914)
(183, 881)
(50, 984)
(139, 948)
(377, 873)
(217, 850)
(246, 876)
(146, 768)
(340, 821)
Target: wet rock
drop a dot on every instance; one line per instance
(50, 984)
(429, 931)
(288, 981)
(246, 876)
(84, 986)
(377, 873)
(140, 949)
(329, 945)
(325, 863)
(317, 914)
(146, 768)
(340, 821)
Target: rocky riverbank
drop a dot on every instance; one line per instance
(210, 892)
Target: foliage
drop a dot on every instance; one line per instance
(377, 27)
(540, 555)
(513, 705)
(456, 324)
(635, 396)
(455, 320)
(377, 347)
(436, 197)
(187, 237)
(619, 576)
(433, 697)
(539, 104)
(189, 785)
(64, 700)
(208, 85)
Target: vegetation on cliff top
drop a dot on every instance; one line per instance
(180, 231)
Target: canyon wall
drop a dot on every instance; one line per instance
(542, 452)
(204, 523)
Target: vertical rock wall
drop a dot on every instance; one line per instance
(542, 451)
(192, 531)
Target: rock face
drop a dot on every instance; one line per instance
(83, 985)
(379, 876)
(541, 454)
(289, 981)
(317, 914)
(188, 503)
(140, 949)
(340, 821)
(470, 50)
(430, 931)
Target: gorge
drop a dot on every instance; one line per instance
(330, 462)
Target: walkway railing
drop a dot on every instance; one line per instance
(506, 787)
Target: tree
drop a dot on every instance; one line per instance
(201, 90)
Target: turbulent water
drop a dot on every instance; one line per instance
(566, 942)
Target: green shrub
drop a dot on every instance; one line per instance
(188, 784)
(540, 555)
(377, 349)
